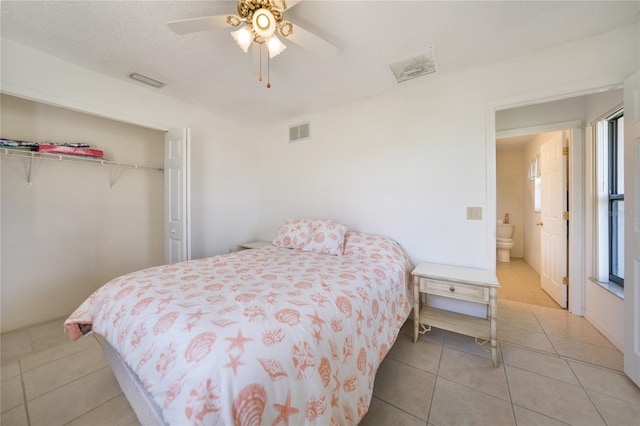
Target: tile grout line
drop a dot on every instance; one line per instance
(544, 331)
(597, 366)
(579, 386)
(51, 361)
(94, 408)
(435, 382)
(466, 385)
(72, 381)
(24, 394)
(513, 404)
(506, 379)
(396, 407)
(587, 394)
(565, 357)
(416, 368)
(22, 372)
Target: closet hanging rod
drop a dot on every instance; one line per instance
(75, 159)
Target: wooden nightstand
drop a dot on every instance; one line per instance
(462, 283)
(254, 244)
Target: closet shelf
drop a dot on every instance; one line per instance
(75, 159)
(116, 171)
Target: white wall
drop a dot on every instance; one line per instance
(407, 164)
(71, 231)
(510, 185)
(386, 166)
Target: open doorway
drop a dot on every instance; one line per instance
(520, 125)
(529, 258)
(605, 310)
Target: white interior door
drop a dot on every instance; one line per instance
(632, 228)
(554, 228)
(177, 195)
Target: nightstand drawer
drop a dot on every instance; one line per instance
(471, 293)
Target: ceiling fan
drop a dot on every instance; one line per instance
(262, 20)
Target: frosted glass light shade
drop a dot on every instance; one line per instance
(243, 38)
(275, 46)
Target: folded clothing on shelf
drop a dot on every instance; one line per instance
(48, 147)
(14, 144)
(70, 150)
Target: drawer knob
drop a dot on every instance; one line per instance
(452, 289)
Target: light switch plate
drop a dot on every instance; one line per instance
(474, 213)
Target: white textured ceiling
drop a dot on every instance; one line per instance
(209, 70)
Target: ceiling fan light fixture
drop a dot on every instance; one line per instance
(275, 46)
(243, 38)
(263, 23)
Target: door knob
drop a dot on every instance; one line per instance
(539, 224)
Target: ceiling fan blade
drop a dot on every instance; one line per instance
(311, 42)
(186, 26)
(291, 3)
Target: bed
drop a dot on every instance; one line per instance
(272, 335)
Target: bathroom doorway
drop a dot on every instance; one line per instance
(576, 114)
(518, 202)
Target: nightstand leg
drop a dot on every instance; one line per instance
(416, 308)
(493, 315)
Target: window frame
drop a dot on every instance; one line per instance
(615, 234)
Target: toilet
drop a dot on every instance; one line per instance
(504, 242)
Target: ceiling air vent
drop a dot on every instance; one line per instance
(300, 132)
(415, 66)
(147, 80)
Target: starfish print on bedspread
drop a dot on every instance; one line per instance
(285, 411)
(234, 363)
(238, 342)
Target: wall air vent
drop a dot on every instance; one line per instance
(415, 66)
(300, 132)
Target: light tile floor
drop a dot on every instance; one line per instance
(555, 369)
(521, 283)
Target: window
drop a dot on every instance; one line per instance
(609, 138)
(615, 130)
(534, 175)
(537, 195)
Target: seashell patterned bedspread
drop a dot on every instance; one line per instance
(263, 336)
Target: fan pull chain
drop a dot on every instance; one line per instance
(268, 72)
(260, 76)
(268, 68)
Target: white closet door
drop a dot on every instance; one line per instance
(177, 195)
